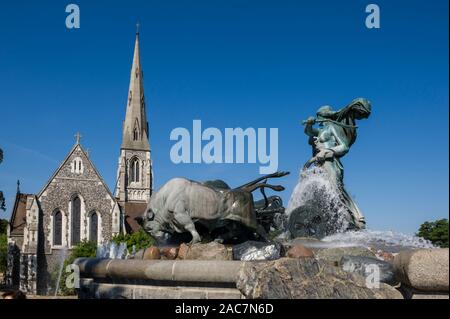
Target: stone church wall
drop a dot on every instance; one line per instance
(94, 196)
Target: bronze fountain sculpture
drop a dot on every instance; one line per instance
(212, 210)
(330, 141)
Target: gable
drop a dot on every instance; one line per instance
(77, 167)
(77, 177)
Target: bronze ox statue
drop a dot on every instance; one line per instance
(223, 214)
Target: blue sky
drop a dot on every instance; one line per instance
(233, 64)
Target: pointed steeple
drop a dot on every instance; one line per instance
(135, 173)
(135, 127)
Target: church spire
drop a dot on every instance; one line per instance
(135, 127)
(135, 173)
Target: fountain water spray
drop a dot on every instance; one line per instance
(63, 259)
(316, 206)
(388, 241)
(313, 182)
(112, 250)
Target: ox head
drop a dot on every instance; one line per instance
(152, 226)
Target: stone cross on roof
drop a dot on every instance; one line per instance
(78, 137)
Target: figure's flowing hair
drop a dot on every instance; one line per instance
(345, 119)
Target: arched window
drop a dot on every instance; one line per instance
(134, 170)
(93, 227)
(76, 220)
(57, 228)
(77, 165)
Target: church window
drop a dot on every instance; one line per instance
(93, 229)
(76, 220)
(134, 170)
(77, 165)
(57, 228)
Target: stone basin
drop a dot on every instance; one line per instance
(147, 279)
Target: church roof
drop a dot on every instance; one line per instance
(133, 211)
(18, 215)
(135, 126)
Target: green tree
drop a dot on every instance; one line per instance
(2, 198)
(436, 232)
(139, 239)
(3, 226)
(3, 252)
(3, 245)
(83, 249)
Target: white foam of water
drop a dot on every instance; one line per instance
(384, 240)
(314, 184)
(112, 250)
(315, 179)
(308, 180)
(121, 251)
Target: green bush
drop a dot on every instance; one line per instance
(83, 249)
(139, 239)
(3, 245)
(436, 232)
(3, 252)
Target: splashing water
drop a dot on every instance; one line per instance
(112, 250)
(314, 188)
(313, 182)
(389, 241)
(308, 181)
(122, 251)
(61, 266)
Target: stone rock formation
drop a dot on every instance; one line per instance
(334, 255)
(210, 251)
(306, 278)
(425, 270)
(151, 252)
(169, 253)
(299, 251)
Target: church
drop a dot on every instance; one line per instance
(76, 204)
